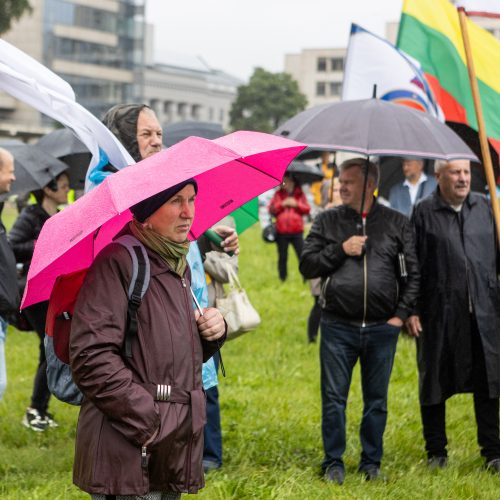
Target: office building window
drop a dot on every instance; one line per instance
(320, 88)
(321, 65)
(337, 64)
(335, 88)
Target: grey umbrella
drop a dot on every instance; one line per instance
(304, 173)
(33, 167)
(63, 144)
(176, 132)
(375, 127)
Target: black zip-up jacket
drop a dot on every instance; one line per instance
(343, 277)
(25, 232)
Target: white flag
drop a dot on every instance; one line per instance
(372, 61)
(485, 8)
(26, 79)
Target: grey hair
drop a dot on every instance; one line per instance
(439, 165)
(5, 156)
(373, 170)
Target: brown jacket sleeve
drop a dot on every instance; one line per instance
(97, 336)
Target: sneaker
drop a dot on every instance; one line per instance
(49, 418)
(210, 465)
(437, 462)
(34, 421)
(335, 474)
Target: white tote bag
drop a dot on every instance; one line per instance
(240, 315)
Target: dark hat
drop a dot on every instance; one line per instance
(145, 208)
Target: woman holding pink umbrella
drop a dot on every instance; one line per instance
(140, 430)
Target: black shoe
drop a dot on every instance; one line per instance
(371, 472)
(437, 462)
(493, 465)
(335, 474)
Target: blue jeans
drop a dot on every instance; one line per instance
(340, 347)
(3, 367)
(212, 449)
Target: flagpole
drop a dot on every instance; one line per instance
(483, 139)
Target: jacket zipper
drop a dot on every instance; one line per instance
(188, 475)
(365, 277)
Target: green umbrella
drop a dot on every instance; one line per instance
(246, 215)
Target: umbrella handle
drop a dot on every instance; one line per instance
(216, 239)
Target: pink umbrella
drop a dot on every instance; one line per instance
(229, 171)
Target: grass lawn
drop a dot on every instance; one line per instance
(270, 404)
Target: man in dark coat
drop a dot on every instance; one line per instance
(457, 325)
(364, 303)
(9, 299)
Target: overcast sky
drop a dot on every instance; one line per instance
(236, 36)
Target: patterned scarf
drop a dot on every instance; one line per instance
(174, 254)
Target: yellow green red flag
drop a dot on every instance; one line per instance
(430, 32)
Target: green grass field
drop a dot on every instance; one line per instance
(270, 405)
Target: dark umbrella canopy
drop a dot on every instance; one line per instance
(304, 173)
(176, 132)
(375, 127)
(34, 168)
(63, 144)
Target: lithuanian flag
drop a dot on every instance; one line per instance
(430, 32)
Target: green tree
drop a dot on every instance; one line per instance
(12, 10)
(267, 101)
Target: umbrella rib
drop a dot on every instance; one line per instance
(259, 170)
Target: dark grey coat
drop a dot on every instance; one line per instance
(458, 255)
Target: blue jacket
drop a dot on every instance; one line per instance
(399, 196)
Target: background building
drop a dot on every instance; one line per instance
(104, 50)
(319, 73)
(95, 45)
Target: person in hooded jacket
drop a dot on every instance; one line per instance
(140, 430)
(288, 205)
(22, 238)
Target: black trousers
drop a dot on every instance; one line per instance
(486, 411)
(282, 241)
(36, 315)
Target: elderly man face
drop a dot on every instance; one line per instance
(453, 179)
(149, 133)
(412, 170)
(7, 176)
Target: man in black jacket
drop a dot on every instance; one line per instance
(8, 277)
(365, 301)
(458, 321)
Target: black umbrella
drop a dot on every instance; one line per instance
(34, 168)
(176, 132)
(63, 144)
(304, 173)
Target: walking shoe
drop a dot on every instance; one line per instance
(371, 472)
(493, 465)
(49, 418)
(335, 474)
(437, 462)
(34, 421)
(210, 465)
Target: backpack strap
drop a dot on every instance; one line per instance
(138, 286)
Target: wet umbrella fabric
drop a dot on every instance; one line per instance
(34, 168)
(176, 132)
(63, 144)
(374, 127)
(228, 174)
(246, 215)
(304, 173)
